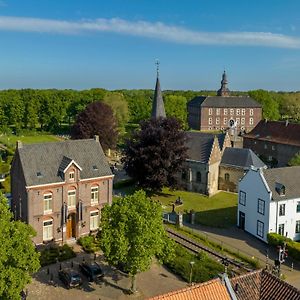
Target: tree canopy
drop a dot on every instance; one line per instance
(155, 153)
(132, 234)
(18, 257)
(96, 119)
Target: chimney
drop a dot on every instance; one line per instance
(96, 138)
(19, 144)
(286, 122)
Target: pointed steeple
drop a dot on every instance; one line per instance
(223, 91)
(158, 108)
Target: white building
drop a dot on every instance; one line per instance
(269, 201)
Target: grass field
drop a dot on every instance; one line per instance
(10, 140)
(217, 211)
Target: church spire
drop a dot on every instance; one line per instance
(223, 91)
(158, 108)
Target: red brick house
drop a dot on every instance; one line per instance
(275, 142)
(223, 111)
(59, 188)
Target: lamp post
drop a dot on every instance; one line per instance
(191, 272)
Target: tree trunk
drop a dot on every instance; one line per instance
(133, 284)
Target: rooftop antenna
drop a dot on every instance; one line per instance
(157, 67)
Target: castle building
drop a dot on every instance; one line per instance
(221, 112)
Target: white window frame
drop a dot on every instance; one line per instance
(260, 228)
(225, 111)
(210, 111)
(231, 111)
(217, 121)
(48, 203)
(251, 121)
(210, 121)
(225, 121)
(72, 175)
(242, 121)
(251, 111)
(243, 111)
(218, 111)
(238, 111)
(94, 220)
(72, 198)
(94, 195)
(237, 120)
(48, 230)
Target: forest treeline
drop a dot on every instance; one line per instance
(55, 110)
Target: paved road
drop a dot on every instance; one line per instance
(238, 239)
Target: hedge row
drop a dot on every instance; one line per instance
(275, 239)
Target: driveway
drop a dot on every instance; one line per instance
(155, 281)
(244, 242)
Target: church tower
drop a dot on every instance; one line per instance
(223, 91)
(158, 108)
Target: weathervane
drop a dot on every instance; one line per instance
(157, 66)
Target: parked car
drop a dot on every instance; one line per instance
(91, 270)
(70, 278)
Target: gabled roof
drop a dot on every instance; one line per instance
(276, 132)
(158, 108)
(226, 101)
(243, 158)
(200, 144)
(210, 290)
(262, 285)
(43, 162)
(288, 177)
(65, 164)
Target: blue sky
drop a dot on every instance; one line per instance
(113, 44)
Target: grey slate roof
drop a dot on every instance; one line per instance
(48, 159)
(158, 108)
(243, 158)
(227, 101)
(288, 176)
(199, 145)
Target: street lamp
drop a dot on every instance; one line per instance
(191, 272)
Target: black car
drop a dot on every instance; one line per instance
(92, 271)
(70, 278)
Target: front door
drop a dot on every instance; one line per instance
(242, 220)
(71, 226)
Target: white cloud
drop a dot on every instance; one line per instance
(155, 30)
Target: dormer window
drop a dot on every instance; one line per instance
(280, 189)
(72, 175)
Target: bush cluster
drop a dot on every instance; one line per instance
(204, 268)
(275, 239)
(56, 253)
(89, 243)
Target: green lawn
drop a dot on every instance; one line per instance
(217, 211)
(10, 140)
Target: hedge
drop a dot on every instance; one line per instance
(275, 239)
(56, 253)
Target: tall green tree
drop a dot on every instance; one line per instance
(269, 103)
(132, 234)
(18, 257)
(155, 153)
(176, 107)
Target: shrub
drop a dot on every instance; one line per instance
(89, 243)
(204, 268)
(56, 253)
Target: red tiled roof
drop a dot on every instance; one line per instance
(277, 132)
(210, 290)
(262, 285)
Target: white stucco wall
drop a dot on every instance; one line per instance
(255, 188)
(289, 219)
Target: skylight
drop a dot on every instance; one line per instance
(95, 167)
(39, 174)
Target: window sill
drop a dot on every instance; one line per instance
(48, 212)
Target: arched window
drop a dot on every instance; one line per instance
(198, 176)
(72, 198)
(94, 194)
(48, 230)
(227, 177)
(94, 220)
